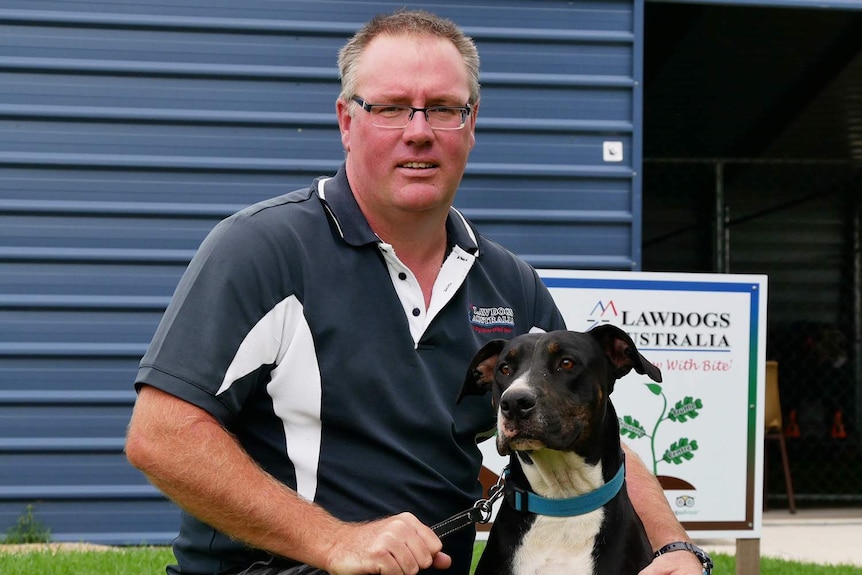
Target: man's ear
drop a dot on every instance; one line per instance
(622, 352)
(480, 374)
(471, 122)
(342, 112)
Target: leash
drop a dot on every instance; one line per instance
(524, 500)
(479, 513)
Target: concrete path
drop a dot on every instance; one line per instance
(826, 536)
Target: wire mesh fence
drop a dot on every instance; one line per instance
(798, 222)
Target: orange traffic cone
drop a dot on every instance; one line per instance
(838, 431)
(792, 427)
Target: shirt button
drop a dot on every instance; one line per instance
(402, 276)
(416, 312)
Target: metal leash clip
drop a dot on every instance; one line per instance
(485, 506)
(479, 513)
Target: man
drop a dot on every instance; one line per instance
(298, 398)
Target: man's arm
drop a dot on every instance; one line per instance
(661, 524)
(191, 458)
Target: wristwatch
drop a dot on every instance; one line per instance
(701, 555)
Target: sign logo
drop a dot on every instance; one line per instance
(602, 313)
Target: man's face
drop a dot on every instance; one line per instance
(414, 169)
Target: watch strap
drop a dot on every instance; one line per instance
(701, 555)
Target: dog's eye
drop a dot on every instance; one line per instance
(567, 364)
(505, 369)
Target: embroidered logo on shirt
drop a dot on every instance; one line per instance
(492, 319)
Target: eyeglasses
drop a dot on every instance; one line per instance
(398, 116)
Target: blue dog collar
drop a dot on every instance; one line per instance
(524, 500)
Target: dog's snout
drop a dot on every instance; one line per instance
(517, 403)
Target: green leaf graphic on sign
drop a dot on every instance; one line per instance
(631, 427)
(654, 387)
(680, 451)
(685, 409)
(682, 411)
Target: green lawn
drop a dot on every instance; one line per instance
(152, 561)
(115, 561)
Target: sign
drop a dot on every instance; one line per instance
(701, 429)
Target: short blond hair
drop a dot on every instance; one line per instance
(400, 23)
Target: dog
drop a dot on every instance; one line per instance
(556, 422)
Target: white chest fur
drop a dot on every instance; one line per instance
(560, 545)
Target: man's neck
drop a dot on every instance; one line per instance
(421, 250)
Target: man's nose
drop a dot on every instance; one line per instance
(418, 126)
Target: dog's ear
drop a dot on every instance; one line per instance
(623, 353)
(480, 374)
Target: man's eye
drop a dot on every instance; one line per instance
(445, 112)
(390, 111)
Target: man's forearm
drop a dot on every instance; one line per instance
(187, 454)
(197, 464)
(648, 498)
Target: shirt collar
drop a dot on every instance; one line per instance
(343, 210)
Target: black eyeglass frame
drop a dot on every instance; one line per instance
(465, 111)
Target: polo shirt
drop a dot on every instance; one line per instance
(301, 331)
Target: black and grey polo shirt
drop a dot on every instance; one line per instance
(303, 333)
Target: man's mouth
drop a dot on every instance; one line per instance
(418, 165)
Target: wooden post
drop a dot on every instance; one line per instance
(748, 557)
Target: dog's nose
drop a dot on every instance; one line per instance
(517, 403)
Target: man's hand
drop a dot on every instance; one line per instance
(675, 563)
(398, 545)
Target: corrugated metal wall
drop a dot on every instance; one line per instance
(128, 128)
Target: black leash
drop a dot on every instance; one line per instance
(479, 513)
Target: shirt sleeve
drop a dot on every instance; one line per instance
(225, 291)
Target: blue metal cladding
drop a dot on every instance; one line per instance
(822, 4)
(129, 128)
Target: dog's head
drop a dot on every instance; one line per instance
(551, 389)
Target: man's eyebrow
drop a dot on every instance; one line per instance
(446, 100)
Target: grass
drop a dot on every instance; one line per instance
(152, 561)
(113, 561)
(769, 566)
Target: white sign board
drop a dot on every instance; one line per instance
(701, 429)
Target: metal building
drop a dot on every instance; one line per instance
(128, 128)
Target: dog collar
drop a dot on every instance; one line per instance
(524, 500)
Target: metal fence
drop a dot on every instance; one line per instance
(798, 222)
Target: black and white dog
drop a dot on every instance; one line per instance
(566, 508)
